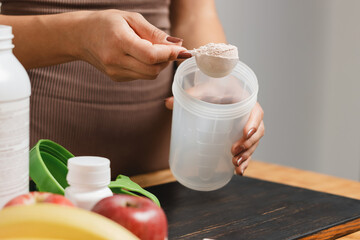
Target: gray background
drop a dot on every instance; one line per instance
(306, 55)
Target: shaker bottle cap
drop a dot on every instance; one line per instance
(48, 166)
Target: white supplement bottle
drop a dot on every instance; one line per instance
(14, 121)
(88, 178)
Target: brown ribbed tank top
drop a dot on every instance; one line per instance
(79, 107)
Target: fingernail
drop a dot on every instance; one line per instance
(238, 162)
(173, 39)
(243, 168)
(184, 55)
(239, 149)
(250, 133)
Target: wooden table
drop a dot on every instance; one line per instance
(279, 174)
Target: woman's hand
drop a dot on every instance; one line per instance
(124, 45)
(121, 44)
(242, 149)
(253, 131)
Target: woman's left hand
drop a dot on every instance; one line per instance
(253, 131)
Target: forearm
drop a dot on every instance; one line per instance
(44, 40)
(196, 22)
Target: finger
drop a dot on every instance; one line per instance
(238, 147)
(241, 169)
(170, 52)
(146, 52)
(245, 165)
(250, 128)
(256, 116)
(130, 63)
(169, 103)
(182, 56)
(239, 159)
(242, 144)
(146, 30)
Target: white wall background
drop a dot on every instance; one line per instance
(306, 55)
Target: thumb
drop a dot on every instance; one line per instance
(169, 103)
(146, 30)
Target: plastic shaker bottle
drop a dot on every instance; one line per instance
(14, 121)
(208, 117)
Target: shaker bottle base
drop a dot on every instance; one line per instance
(201, 186)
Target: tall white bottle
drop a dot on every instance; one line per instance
(14, 121)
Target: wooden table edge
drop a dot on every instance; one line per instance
(337, 231)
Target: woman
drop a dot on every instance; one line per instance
(85, 62)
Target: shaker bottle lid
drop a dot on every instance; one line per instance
(48, 168)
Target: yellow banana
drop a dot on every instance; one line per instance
(58, 222)
(32, 239)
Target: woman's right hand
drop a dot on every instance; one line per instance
(124, 45)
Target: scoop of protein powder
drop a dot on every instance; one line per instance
(216, 59)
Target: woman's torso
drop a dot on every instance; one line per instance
(82, 109)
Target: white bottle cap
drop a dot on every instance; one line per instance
(6, 37)
(14, 81)
(87, 170)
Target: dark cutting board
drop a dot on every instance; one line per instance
(249, 208)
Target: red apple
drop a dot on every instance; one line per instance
(39, 197)
(139, 215)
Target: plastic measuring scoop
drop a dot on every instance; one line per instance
(48, 170)
(216, 65)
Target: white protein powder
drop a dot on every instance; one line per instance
(218, 50)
